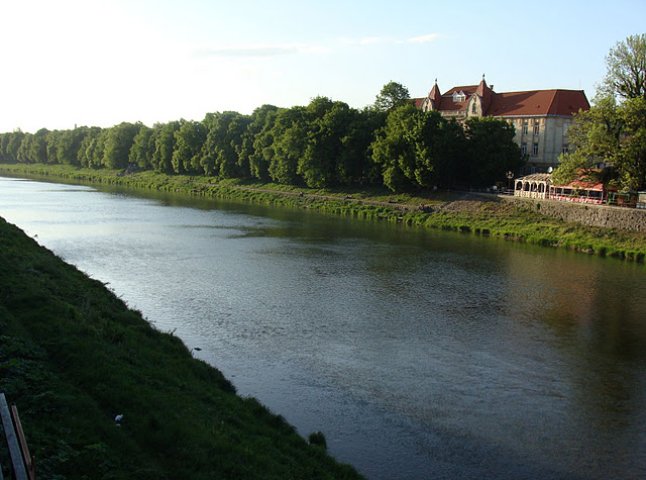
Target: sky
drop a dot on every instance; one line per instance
(99, 63)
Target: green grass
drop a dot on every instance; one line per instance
(72, 356)
(447, 211)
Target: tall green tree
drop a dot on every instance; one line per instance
(411, 147)
(354, 164)
(85, 153)
(491, 150)
(327, 124)
(258, 141)
(289, 142)
(38, 148)
(118, 143)
(164, 138)
(626, 69)
(392, 95)
(223, 144)
(189, 140)
(13, 145)
(610, 134)
(143, 147)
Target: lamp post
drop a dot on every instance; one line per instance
(510, 176)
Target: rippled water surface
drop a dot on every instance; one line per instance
(420, 355)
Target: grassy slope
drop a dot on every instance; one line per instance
(491, 217)
(72, 356)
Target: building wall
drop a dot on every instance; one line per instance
(549, 133)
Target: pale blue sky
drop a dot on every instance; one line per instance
(90, 62)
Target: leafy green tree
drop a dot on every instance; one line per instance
(23, 155)
(327, 124)
(118, 143)
(189, 140)
(51, 140)
(38, 147)
(626, 69)
(85, 152)
(143, 147)
(4, 141)
(164, 137)
(630, 160)
(290, 140)
(491, 150)
(258, 141)
(14, 141)
(411, 147)
(608, 134)
(392, 95)
(354, 164)
(223, 144)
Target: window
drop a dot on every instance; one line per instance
(525, 126)
(535, 149)
(474, 108)
(537, 127)
(523, 149)
(566, 148)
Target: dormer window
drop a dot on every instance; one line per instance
(459, 97)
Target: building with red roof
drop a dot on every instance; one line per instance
(541, 117)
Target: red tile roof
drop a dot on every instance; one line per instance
(538, 102)
(534, 102)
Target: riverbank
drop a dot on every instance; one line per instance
(468, 214)
(73, 356)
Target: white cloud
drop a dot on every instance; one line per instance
(429, 37)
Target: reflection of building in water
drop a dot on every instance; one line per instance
(541, 117)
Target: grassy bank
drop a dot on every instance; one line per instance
(72, 356)
(457, 212)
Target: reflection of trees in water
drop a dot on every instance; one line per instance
(596, 309)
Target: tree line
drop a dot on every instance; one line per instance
(323, 144)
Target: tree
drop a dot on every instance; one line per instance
(608, 134)
(410, 147)
(258, 140)
(491, 150)
(328, 122)
(220, 154)
(392, 95)
(189, 140)
(118, 143)
(626, 69)
(290, 140)
(354, 164)
(164, 138)
(143, 147)
(85, 153)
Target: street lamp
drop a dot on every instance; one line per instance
(510, 176)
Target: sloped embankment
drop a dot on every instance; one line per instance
(72, 356)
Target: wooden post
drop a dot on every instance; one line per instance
(19, 470)
(29, 461)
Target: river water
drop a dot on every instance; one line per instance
(420, 355)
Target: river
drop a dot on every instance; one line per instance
(420, 355)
